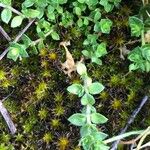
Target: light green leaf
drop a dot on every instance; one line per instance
(55, 36)
(78, 11)
(106, 25)
(96, 60)
(77, 119)
(98, 118)
(28, 3)
(101, 50)
(76, 89)
(88, 129)
(87, 99)
(13, 53)
(86, 53)
(17, 21)
(80, 22)
(95, 88)
(81, 1)
(81, 69)
(6, 15)
(97, 16)
(31, 13)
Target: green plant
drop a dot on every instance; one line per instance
(46, 15)
(88, 119)
(91, 138)
(140, 27)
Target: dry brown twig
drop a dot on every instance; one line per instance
(69, 65)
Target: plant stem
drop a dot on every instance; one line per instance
(142, 37)
(12, 9)
(40, 39)
(122, 136)
(88, 113)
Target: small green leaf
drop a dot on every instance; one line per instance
(81, 69)
(108, 7)
(16, 22)
(86, 53)
(106, 25)
(101, 50)
(28, 3)
(96, 60)
(97, 16)
(76, 89)
(95, 88)
(13, 53)
(80, 22)
(77, 119)
(78, 11)
(50, 9)
(55, 36)
(81, 1)
(88, 129)
(87, 99)
(99, 136)
(98, 118)
(136, 25)
(86, 21)
(31, 13)
(6, 15)
(133, 67)
(26, 40)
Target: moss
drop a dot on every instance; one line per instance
(55, 123)
(43, 113)
(63, 143)
(2, 75)
(58, 110)
(116, 104)
(48, 137)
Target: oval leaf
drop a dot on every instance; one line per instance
(87, 99)
(77, 119)
(16, 22)
(98, 118)
(95, 88)
(6, 15)
(76, 89)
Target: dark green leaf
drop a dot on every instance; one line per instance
(136, 25)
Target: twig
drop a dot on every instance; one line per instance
(11, 8)
(131, 119)
(17, 38)
(7, 96)
(7, 117)
(7, 37)
(132, 42)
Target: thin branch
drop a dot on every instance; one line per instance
(6, 116)
(12, 9)
(17, 38)
(131, 119)
(7, 96)
(7, 37)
